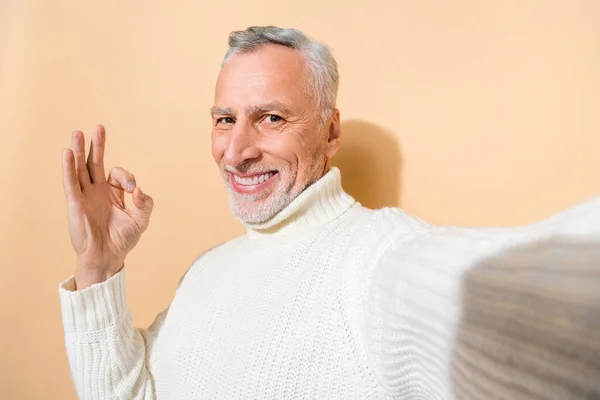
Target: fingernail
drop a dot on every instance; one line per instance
(129, 186)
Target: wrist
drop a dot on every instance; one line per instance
(88, 274)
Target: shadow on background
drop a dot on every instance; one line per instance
(370, 161)
(530, 326)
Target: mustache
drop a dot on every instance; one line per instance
(249, 166)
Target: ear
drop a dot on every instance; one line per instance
(334, 132)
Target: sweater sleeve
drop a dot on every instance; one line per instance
(474, 313)
(108, 357)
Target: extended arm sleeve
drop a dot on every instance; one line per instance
(472, 313)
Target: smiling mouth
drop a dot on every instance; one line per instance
(253, 180)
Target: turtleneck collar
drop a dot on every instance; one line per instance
(320, 203)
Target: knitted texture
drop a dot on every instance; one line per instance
(330, 300)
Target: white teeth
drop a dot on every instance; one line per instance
(252, 181)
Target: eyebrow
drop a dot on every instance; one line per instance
(253, 110)
(222, 111)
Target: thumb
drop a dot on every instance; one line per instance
(143, 205)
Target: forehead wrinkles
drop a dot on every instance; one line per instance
(268, 86)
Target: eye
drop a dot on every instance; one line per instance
(273, 119)
(224, 120)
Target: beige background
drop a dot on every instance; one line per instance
(462, 112)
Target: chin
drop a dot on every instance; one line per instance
(248, 215)
(257, 211)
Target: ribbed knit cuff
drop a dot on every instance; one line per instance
(94, 308)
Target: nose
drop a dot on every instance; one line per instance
(242, 145)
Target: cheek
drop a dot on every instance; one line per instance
(298, 146)
(311, 148)
(218, 146)
(283, 150)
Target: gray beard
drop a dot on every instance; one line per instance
(260, 213)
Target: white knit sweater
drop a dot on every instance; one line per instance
(330, 300)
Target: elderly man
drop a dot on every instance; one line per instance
(321, 298)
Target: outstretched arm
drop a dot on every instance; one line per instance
(457, 311)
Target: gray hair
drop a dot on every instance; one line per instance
(323, 78)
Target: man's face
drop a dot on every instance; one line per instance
(265, 136)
